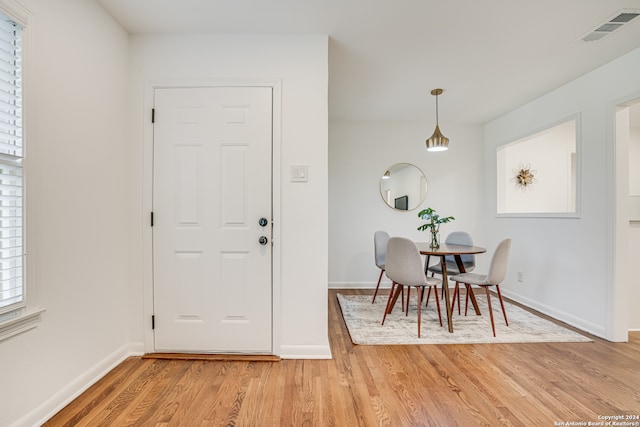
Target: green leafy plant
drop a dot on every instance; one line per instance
(433, 220)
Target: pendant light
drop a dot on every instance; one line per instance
(437, 141)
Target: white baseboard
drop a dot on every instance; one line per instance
(358, 285)
(305, 352)
(577, 322)
(67, 394)
(365, 285)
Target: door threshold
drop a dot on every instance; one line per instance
(214, 357)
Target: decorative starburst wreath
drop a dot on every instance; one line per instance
(524, 177)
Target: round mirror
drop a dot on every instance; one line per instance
(403, 186)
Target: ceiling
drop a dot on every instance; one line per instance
(489, 56)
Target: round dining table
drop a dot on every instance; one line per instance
(456, 251)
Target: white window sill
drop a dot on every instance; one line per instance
(21, 323)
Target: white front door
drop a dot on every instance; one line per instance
(211, 251)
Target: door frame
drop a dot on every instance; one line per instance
(147, 199)
(618, 264)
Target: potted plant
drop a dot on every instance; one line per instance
(433, 225)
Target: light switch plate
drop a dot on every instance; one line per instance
(299, 173)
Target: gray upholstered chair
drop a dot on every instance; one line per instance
(380, 239)
(468, 261)
(404, 267)
(497, 273)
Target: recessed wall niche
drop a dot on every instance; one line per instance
(537, 175)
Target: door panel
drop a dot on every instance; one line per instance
(212, 183)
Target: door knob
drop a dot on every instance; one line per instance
(263, 240)
(263, 222)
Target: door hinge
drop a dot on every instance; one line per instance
(153, 115)
(152, 219)
(153, 321)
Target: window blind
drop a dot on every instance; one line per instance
(12, 292)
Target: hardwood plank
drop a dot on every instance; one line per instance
(428, 385)
(169, 401)
(127, 400)
(84, 404)
(219, 357)
(145, 400)
(257, 409)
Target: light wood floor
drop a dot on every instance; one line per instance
(428, 385)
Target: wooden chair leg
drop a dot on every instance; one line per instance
(426, 304)
(377, 286)
(456, 293)
(493, 326)
(403, 299)
(437, 303)
(408, 298)
(504, 313)
(388, 307)
(420, 293)
(399, 290)
(466, 298)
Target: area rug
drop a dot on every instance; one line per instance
(364, 319)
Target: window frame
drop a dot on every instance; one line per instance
(20, 317)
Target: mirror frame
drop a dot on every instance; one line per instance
(388, 197)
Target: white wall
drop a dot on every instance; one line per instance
(568, 264)
(78, 199)
(299, 64)
(359, 154)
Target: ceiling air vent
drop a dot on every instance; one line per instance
(610, 25)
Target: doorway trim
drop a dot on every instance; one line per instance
(618, 267)
(147, 198)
